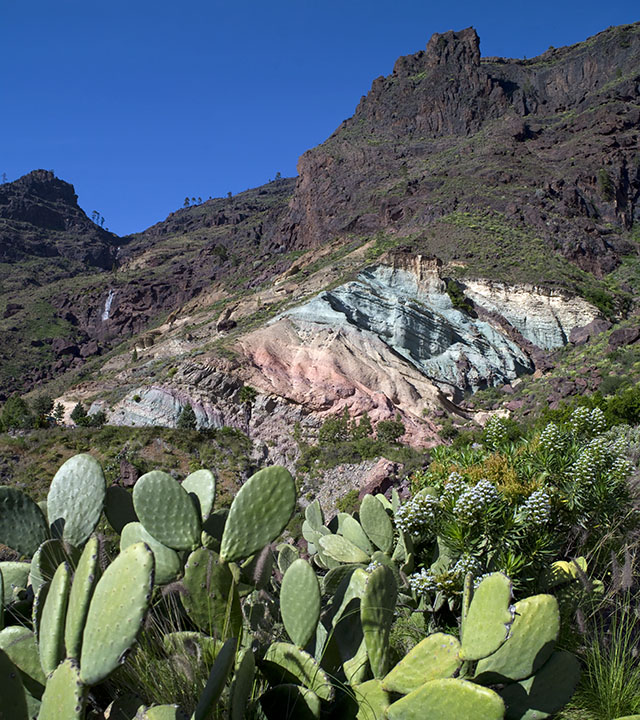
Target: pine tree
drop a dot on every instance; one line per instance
(187, 419)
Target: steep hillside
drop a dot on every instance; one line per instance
(468, 222)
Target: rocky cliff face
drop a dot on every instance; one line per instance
(550, 142)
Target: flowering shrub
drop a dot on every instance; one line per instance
(564, 487)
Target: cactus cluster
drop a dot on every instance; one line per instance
(336, 609)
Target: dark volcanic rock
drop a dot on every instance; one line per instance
(582, 335)
(623, 337)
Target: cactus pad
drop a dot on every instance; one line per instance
(160, 712)
(51, 639)
(287, 663)
(65, 695)
(544, 693)
(290, 702)
(259, 513)
(489, 619)
(531, 641)
(351, 529)
(433, 658)
(342, 550)
(76, 499)
(376, 614)
(23, 527)
(84, 582)
(313, 515)
(118, 507)
(14, 575)
(287, 554)
(373, 701)
(300, 602)
(449, 699)
(13, 700)
(211, 599)
(167, 562)
(376, 523)
(20, 645)
(48, 557)
(116, 611)
(166, 511)
(201, 486)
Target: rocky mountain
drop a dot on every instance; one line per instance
(474, 217)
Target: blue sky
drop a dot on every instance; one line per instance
(139, 103)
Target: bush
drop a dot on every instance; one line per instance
(187, 419)
(16, 415)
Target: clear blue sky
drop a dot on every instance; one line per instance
(139, 103)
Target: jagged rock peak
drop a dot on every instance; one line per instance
(43, 184)
(462, 48)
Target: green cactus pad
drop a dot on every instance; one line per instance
(376, 614)
(84, 582)
(118, 507)
(20, 645)
(167, 561)
(434, 658)
(213, 529)
(544, 693)
(76, 499)
(23, 527)
(13, 700)
(166, 511)
(352, 587)
(313, 515)
(376, 523)
(39, 600)
(489, 619)
(48, 557)
(287, 663)
(65, 694)
(259, 513)
(372, 699)
(331, 581)
(201, 486)
(351, 529)
(290, 702)
(211, 599)
(160, 712)
(217, 680)
(312, 534)
(342, 550)
(116, 611)
(51, 639)
(531, 641)
(449, 699)
(242, 685)
(287, 554)
(14, 575)
(300, 602)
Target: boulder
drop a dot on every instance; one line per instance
(380, 478)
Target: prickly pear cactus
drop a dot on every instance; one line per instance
(284, 662)
(242, 685)
(433, 658)
(119, 603)
(167, 561)
(51, 639)
(217, 679)
(65, 694)
(300, 602)
(13, 701)
(259, 513)
(373, 701)
(530, 644)
(76, 499)
(166, 511)
(118, 508)
(449, 699)
(342, 550)
(84, 582)
(201, 486)
(376, 523)
(23, 527)
(376, 615)
(489, 619)
(211, 595)
(19, 643)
